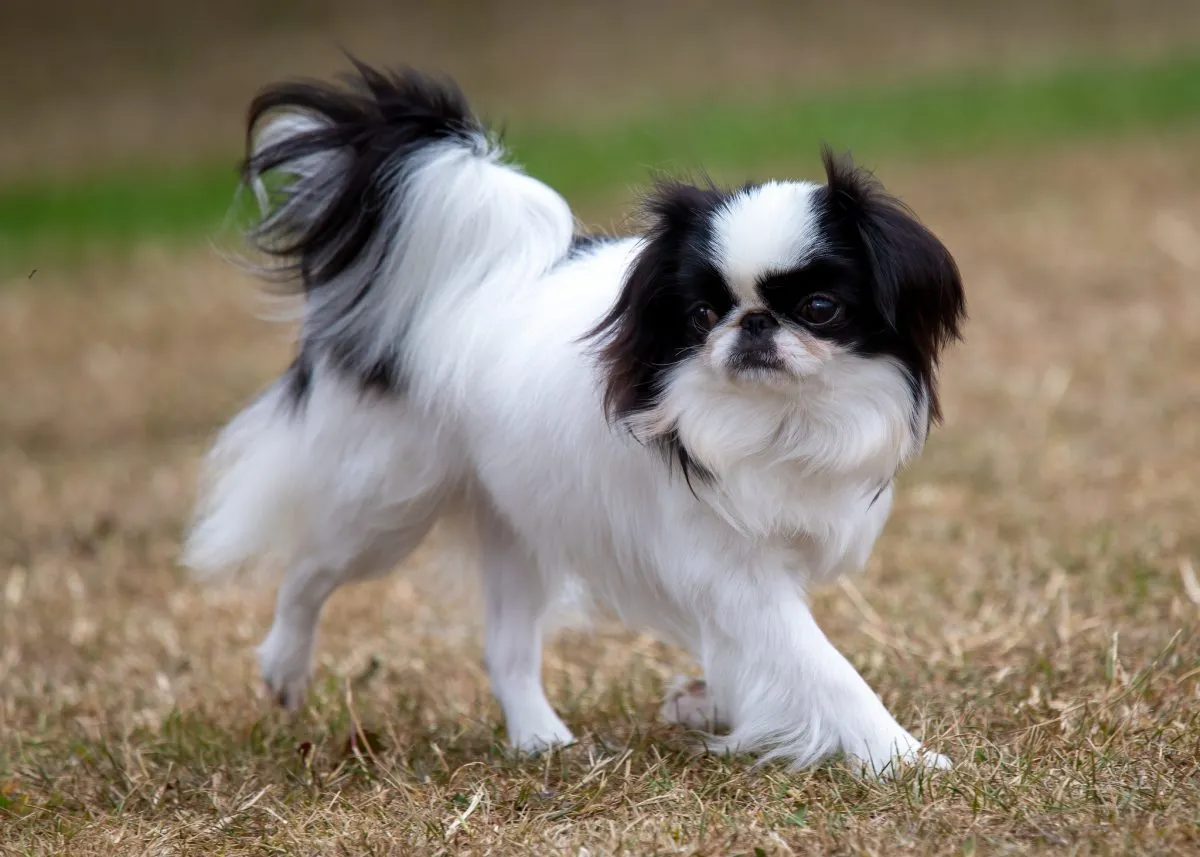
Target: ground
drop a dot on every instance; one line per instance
(1032, 610)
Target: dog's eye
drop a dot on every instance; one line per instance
(704, 317)
(818, 310)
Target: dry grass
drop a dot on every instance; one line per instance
(1032, 609)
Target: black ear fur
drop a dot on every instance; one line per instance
(632, 331)
(640, 337)
(918, 288)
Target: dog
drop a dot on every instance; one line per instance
(691, 426)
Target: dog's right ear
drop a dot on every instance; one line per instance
(630, 336)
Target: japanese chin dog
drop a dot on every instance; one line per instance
(691, 426)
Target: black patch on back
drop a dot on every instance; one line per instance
(376, 379)
(584, 242)
(297, 381)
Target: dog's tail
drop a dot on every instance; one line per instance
(387, 204)
(382, 193)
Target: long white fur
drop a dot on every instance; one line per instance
(501, 426)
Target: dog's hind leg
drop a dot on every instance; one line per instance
(335, 487)
(516, 601)
(286, 654)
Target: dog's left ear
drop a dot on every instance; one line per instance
(918, 288)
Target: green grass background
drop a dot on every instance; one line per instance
(925, 118)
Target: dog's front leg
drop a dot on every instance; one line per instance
(789, 693)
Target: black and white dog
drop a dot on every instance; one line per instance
(691, 426)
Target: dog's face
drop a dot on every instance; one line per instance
(778, 286)
(779, 292)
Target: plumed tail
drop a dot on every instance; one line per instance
(386, 204)
(379, 194)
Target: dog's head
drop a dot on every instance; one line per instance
(779, 289)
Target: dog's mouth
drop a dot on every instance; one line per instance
(756, 362)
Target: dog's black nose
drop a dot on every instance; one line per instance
(758, 323)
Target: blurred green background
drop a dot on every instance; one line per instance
(123, 123)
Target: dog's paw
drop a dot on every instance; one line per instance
(534, 727)
(936, 761)
(286, 665)
(888, 759)
(689, 704)
(536, 734)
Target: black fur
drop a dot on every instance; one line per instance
(648, 325)
(648, 328)
(899, 288)
(297, 380)
(323, 222)
(919, 304)
(583, 242)
(377, 119)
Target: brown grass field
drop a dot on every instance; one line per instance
(1031, 610)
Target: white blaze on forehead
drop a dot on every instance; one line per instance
(766, 230)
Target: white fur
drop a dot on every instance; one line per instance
(768, 229)
(501, 424)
